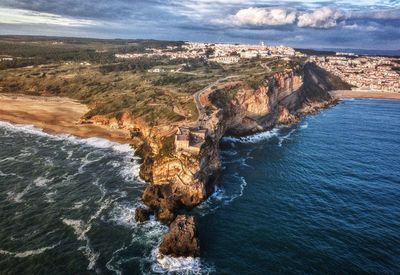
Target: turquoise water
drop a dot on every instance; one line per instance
(321, 196)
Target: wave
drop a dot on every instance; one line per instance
(93, 141)
(81, 229)
(28, 253)
(254, 138)
(287, 136)
(221, 197)
(123, 214)
(186, 265)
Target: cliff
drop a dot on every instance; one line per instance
(181, 162)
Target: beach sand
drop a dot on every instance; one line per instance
(364, 94)
(55, 115)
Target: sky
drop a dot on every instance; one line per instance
(361, 24)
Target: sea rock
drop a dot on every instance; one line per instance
(285, 117)
(164, 200)
(181, 240)
(142, 214)
(166, 213)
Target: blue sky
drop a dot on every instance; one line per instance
(366, 24)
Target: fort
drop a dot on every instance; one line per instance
(190, 139)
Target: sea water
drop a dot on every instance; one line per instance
(321, 196)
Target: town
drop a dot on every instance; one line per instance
(370, 73)
(220, 53)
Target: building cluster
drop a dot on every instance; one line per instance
(190, 139)
(232, 53)
(6, 58)
(221, 53)
(363, 72)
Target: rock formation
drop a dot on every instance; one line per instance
(181, 175)
(142, 214)
(181, 240)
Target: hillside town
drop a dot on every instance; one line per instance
(220, 53)
(363, 72)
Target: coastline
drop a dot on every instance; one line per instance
(55, 115)
(343, 94)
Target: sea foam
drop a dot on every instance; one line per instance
(254, 138)
(28, 252)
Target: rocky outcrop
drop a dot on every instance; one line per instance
(181, 240)
(180, 179)
(142, 214)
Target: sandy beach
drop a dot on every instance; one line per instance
(342, 94)
(55, 115)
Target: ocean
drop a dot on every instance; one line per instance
(320, 196)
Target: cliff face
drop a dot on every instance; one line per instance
(181, 179)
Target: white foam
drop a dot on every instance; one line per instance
(42, 181)
(79, 204)
(304, 126)
(10, 175)
(81, 229)
(281, 139)
(28, 253)
(123, 214)
(167, 264)
(50, 196)
(17, 197)
(93, 141)
(254, 138)
(221, 197)
(78, 226)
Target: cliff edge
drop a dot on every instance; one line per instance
(181, 162)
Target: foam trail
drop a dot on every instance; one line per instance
(281, 139)
(28, 253)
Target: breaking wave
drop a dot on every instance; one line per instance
(93, 141)
(253, 138)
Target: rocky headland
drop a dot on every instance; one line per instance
(180, 162)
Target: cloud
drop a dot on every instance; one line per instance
(20, 16)
(258, 17)
(264, 17)
(321, 18)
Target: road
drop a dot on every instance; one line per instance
(200, 108)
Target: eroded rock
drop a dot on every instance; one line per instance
(142, 214)
(181, 240)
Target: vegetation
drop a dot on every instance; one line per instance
(87, 70)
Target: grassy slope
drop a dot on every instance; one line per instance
(52, 66)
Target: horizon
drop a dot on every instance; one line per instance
(396, 52)
(368, 24)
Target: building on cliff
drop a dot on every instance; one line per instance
(190, 139)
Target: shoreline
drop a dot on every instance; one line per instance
(345, 94)
(55, 115)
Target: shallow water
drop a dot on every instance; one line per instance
(317, 197)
